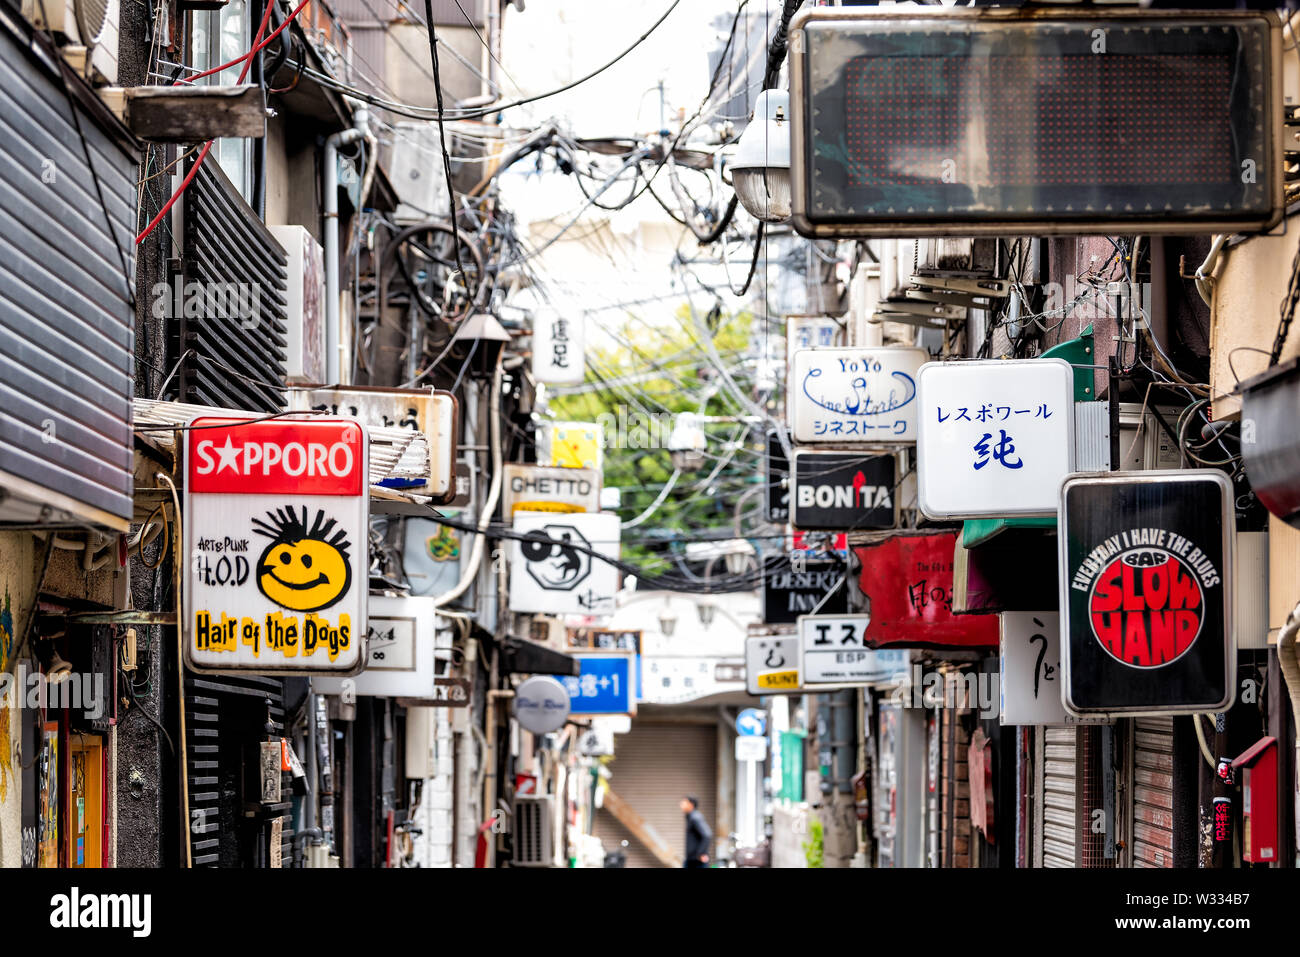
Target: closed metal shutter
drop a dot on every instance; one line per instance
(654, 767)
(1058, 817)
(67, 324)
(1153, 792)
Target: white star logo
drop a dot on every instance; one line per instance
(229, 456)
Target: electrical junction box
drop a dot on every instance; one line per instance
(1258, 765)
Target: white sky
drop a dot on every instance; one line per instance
(555, 41)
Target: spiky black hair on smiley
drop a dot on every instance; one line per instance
(286, 528)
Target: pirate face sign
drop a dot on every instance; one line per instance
(552, 560)
(304, 569)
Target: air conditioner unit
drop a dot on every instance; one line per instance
(305, 300)
(417, 174)
(1154, 448)
(93, 24)
(533, 826)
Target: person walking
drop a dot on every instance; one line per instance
(699, 836)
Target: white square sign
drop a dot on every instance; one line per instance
(996, 437)
(399, 659)
(772, 664)
(553, 570)
(855, 395)
(277, 545)
(834, 649)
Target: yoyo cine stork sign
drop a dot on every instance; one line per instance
(853, 396)
(276, 535)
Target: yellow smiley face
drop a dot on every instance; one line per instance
(302, 569)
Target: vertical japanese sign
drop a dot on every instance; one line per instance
(558, 357)
(995, 438)
(908, 583)
(1146, 592)
(1030, 672)
(276, 542)
(855, 395)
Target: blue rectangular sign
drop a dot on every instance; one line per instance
(605, 685)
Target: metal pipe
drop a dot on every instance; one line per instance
(333, 338)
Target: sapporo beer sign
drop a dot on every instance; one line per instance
(1146, 565)
(276, 516)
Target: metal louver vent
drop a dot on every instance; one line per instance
(532, 830)
(229, 306)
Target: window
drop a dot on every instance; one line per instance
(218, 36)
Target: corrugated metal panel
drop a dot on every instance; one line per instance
(239, 352)
(1059, 809)
(445, 12)
(1153, 792)
(453, 13)
(655, 766)
(369, 49)
(1092, 436)
(67, 326)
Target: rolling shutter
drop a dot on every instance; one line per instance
(1153, 792)
(1058, 817)
(67, 321)
(654, 767)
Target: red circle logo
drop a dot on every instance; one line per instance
(1146, 608)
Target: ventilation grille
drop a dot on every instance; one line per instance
(532, 831)
(229, 304)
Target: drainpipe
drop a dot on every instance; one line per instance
(333, 338)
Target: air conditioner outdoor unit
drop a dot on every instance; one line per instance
(305, 300)
(533, 826)
(93, 24)
(417, 173)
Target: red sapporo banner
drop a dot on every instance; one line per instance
(276, 457)
(908, 580)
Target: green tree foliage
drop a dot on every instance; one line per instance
(635, 384)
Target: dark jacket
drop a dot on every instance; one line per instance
(699, 836)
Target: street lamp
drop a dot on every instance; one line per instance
(760, 170)
(686, 442)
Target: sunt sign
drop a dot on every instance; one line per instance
(276, 533)
(1145, 564)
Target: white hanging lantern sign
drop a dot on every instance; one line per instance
(558, 357)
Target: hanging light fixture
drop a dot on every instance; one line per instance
(760, 170)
